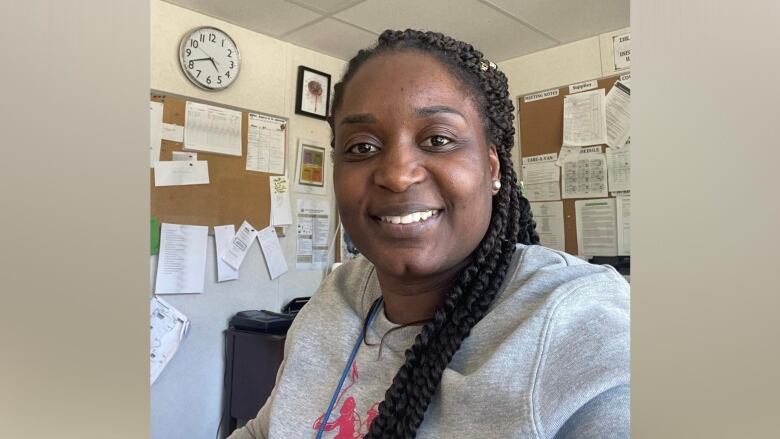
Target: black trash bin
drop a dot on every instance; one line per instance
(254, 348)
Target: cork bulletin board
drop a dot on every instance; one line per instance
(541, 132)
(233, 193)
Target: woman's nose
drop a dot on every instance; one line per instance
(400, 166)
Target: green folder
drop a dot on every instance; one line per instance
(155, 236)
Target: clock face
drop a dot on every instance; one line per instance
(209, 58)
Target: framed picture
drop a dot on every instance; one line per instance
(312, 96)
(310, 168)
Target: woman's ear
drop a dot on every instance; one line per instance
(495, 166)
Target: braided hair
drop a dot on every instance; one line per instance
(477, 285)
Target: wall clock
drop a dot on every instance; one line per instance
(209, 58)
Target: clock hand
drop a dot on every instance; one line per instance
(200, 59)
(214, 64)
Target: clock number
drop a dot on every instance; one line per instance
(191, 64)
(189, 52)
(197, 74)
(231, 64)
(202, 38)
(208, 79)
(223, 42)
(230, 52)
(227, 73)
(194, 43)
(219, 80)
(212, 38)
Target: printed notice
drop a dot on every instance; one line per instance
(596, 234)
(540, 169)
(184, 156)
(549, 224)
(272, 252)
(222, 237)
(236, 251)
(619, 169)
(585, 174)
(173, 132)
(541, 177)
(622, 51)
(281, 210)
(618, 115)
(180, 173)
(584, 118)
(181, 266)
(541, 95)
(168, 327)
(624, 223)
(212, 129)
(312, 239)
(265, 144)
(155, 131)
(549, 191)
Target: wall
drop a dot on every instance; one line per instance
(581, 60)
(186, 399)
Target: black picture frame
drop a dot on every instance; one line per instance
(307, 102)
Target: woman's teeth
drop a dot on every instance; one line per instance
(410, 218)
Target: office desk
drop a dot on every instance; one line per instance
(252, 360)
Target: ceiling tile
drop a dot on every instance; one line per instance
(332, 37)
(495, 34)
(326, 6)
(270, 17)
(569, 20)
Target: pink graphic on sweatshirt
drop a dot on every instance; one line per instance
(348, 424)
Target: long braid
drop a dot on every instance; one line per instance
(477, 285)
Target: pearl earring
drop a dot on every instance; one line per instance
(496, 184)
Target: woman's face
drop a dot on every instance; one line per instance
(412, 167)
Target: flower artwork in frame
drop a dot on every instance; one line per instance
(312, 97)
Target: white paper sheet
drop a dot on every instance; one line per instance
(168, 327)
(312, 237)
(184, 156)
(621, 47)
(540, 169)
(239, 246)
(619, 169)
(272, 252)
(596, 224)
(155, 131)
(265, 144)
(281, 209)
(212, 129)
(181, 265)
(623, 202)
(178, 173)
(549, 191)
(584, 118)
(549, 224)
(618, 110)
(566, 151)
(585, 174)
(222, 237)
(172, 132)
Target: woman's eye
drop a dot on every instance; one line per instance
(362, 148)
(436, 141)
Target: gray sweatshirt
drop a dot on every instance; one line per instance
(549, 360)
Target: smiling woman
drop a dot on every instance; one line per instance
(485, 333)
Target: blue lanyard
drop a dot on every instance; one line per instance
(326, 417)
